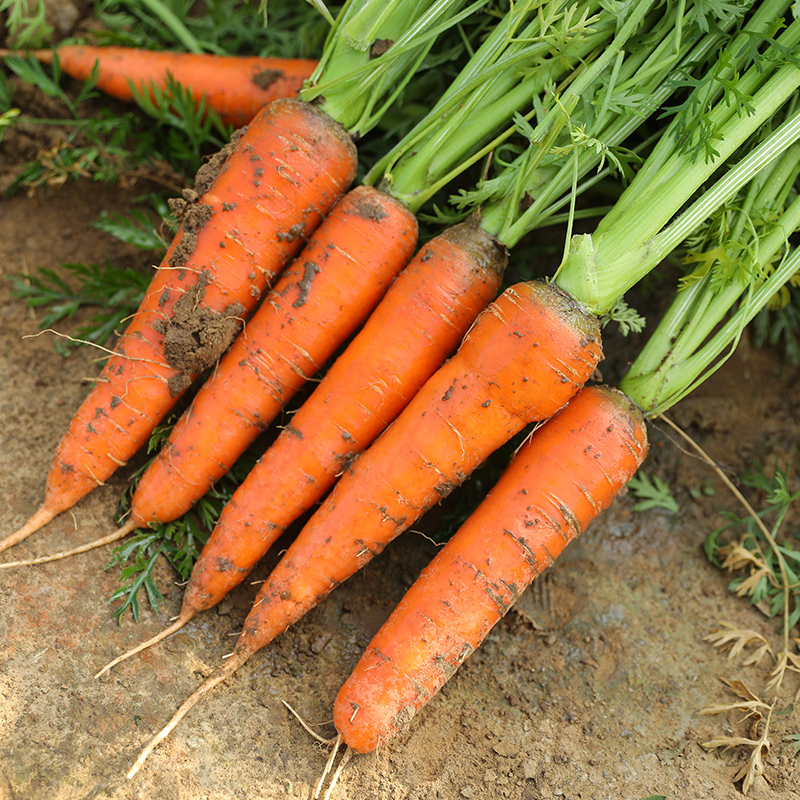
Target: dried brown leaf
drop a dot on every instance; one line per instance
(758, 655)
(749, 584)
(754, 766)
(786, 662)
(737, 556)
(729, 636)
(752, 707)
(740, 689)
(727, 742)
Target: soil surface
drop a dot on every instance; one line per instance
(590, 688)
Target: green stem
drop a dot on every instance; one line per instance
(173, 22)
(671, 44)
(680, 354)
(626, 246)
(669, 156)
(373, 51)
(516, 62)
(544, 188)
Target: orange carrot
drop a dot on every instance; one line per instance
(559, 480)
(254, 205)
(319, 301)
(236, 87)
(416, 326)
(522, 360)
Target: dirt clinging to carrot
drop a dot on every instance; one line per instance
(266, 77)
(195, 337)
(193, 217)
(207, 174)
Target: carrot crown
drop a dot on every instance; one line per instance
(372, 51)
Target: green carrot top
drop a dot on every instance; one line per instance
(753, 77)
(739, 260)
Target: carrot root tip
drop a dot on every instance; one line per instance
(84, 548)
(167, 632)
(37, 521)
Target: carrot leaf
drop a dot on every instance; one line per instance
(652, 493)
(31, 71)
(115, 291)
(26, 22)
(139, 227)
(139, 573)
(191, 124)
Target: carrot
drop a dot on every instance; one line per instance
(256, 202)
(559, 480)
(522, 360)
(236, 87)
(416, 326)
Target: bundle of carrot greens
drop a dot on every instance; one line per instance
(553, 99)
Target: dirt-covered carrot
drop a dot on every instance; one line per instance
(236, 87)
(558, 481)
(418, 324)
(250, 212)
(190, 468)
(250, 219)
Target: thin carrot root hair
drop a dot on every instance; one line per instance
(348, 752)
(167, 632)
(335, 743)
(307, 727)
(115, 536)
(236, 659)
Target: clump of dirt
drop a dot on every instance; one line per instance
(310, 270)
(266, 78)
(366, 209)
(207, 174)
(195, 337)
(193, 216)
